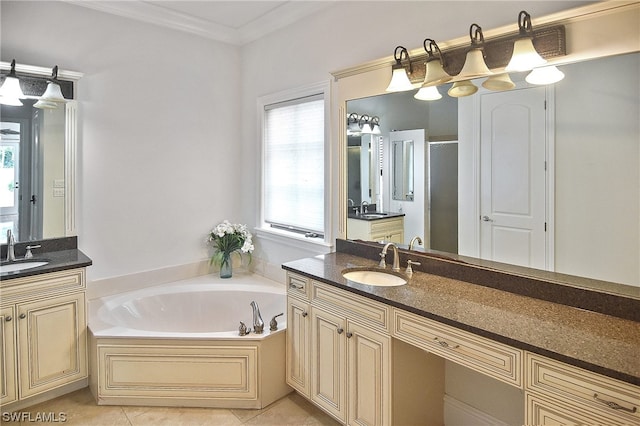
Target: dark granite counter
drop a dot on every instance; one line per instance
(60, 254)
(595, 341)
(374, 216)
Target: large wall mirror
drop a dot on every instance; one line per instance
(590, 200)
(38, 165)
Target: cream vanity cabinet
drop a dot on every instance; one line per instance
(349, 359)
(561, 394)
(387, 230)
(43, 334)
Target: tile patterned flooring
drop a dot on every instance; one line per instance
(80, 409)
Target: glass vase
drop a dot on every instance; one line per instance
(226, 270)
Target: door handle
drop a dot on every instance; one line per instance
(487, 219)
(33, 200)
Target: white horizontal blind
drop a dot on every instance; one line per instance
(294, 164)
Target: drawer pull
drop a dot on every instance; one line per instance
(445, 344)
(296, 286)
(304, 314)
(340, 330)
(614, 405)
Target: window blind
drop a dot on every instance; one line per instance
(294, 164)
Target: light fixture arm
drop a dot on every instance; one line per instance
(476, 36)
(430, 46)
(524, 24)
(397, 55)
(12, 72)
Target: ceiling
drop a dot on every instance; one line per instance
(236, 22)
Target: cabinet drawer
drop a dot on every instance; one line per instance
(387, 225)
(354, 307)
(543, 411)
(565, 382)
(486, 356)
(298, 286)
(36, 286)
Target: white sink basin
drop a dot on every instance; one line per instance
(373, 215)
(375, 278)
(20, 266)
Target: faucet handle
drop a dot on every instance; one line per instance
(28, 254)
(383, 262)
(273, 324)
(409, 270)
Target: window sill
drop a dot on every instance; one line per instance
(296, 240)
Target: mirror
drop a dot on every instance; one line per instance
(402, 160)
(595, 162)
(37, 163)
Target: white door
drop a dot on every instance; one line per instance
(513, 177)
(412, 206)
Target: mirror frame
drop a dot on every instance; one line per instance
(618, 20)
(70, 140)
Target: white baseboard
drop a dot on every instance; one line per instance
(457, 413)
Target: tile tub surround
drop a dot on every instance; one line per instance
(600, 343)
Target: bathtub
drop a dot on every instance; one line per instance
(178, 344)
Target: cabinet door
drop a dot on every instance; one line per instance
(8, 379)
(298, 339)
(328, 363)
(52, 343)
(369, 376)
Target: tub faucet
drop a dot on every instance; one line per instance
(258, 324)
(396, 258)
(11, 242)
(413, 240)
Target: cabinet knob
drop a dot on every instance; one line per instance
(22, 316)
(349, 335)
(340, 330)
(304, 314)
(8, 318)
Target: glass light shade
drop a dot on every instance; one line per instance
(399, 81)
(545, 75)
(428, 93)
(366, 128)
(43, 104)
(474, 65)
(524, 56)
(11, 88)
(498, 83)
(435, 74)
(376, 129)
(5, 100)
(353, 128)
(53, 93)
(462, 88)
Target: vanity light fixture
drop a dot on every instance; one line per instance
(364, 124)
(498, 82)
(375, 125)
(474, 64)
(462, 88)
(525, 57)
(434, 73)
(544, 75)
(10, 91)
(352, 124)
(52, 94)
(399, 79)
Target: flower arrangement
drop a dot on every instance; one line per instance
(228, 238)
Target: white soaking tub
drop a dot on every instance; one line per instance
(177, 344)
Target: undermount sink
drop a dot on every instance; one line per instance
(20, 266)
(373, 215)
(372, 277)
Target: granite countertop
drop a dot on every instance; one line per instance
(372, 215)
(57, 261)
(597, 342)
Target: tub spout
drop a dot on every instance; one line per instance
(258, 324)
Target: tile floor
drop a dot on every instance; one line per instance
(80, 409)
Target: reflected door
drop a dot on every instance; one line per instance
(513, 177)
(9, 178)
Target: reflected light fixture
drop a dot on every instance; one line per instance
(364, 124)
(525, 57)
(375, 125)
(10, 91)
(498, 82)
(434, 73)
(462, 88)
(399, 79)
(474, 65)
(545, 75)
(352, 124)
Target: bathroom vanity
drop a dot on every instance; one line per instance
(375, 355)
(43, 328)
(377, 227)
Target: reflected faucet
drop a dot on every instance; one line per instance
(365, 208)
(258, 324)
(11, 242)
(413, 240)
(396, 258)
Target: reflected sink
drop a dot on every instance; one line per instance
(20, 266)
(372, 277)
(373, 215)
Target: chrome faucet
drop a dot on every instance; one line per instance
(396, 258)
(413, 240)
(11, 242)
(258, 324)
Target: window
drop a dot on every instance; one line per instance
(293, 161)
